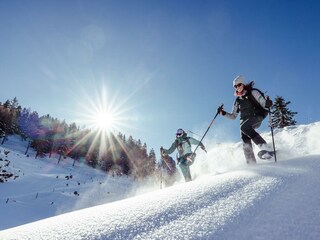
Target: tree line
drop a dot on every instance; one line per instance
(116, 154)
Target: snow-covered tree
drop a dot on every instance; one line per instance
(281, 115)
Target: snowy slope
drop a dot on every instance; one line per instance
(43, 188)
(231, 201)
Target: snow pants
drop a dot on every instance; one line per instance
(184, 163)
(248, 133)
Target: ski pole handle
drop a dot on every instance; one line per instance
(220, 108)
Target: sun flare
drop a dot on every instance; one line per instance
(104, 121)
(103, 113)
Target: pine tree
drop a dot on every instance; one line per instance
(152, 162)
(281, 115)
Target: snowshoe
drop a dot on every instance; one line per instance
(265, 155)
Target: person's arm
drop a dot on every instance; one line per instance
(235, 111)
(196, 142)
(171, 149)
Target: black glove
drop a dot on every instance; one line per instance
(221, 111)
(203, 148)
(268, 103)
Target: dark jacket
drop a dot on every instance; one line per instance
(247, 105)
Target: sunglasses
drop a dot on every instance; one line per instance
(237, 85)
(179, 134)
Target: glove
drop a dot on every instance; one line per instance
(203, 148)
(221, 111)
(163, 152)
(268, 103)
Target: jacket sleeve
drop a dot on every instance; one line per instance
(171, 149)
(235, 111)
(259, 98)
(195, 142)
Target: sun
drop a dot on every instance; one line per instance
(104, 114)
(104, 120)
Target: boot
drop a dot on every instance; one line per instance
(249, 154)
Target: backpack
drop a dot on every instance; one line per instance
(262, 111)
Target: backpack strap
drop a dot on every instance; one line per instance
(187, 140)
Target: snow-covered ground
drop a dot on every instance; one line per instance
(227, 200)
(42, 188)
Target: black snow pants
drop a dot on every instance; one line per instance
(248, 133)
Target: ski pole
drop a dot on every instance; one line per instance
(160, 177)
(271, 127)
(218, 111)
(160, 167)
(194, 133)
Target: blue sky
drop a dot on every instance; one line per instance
(158, 65)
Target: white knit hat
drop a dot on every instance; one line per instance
(239, 79)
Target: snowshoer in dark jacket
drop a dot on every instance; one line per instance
(185, 156)
(252, 106)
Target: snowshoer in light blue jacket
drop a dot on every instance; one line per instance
(185, 156)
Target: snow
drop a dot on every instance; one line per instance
(227, 199)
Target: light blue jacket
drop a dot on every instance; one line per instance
(183, 145)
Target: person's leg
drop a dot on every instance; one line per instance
(248, 127)
(185, 169)
(247, 149)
